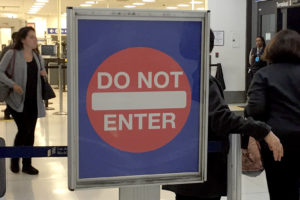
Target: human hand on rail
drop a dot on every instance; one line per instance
(274, 145)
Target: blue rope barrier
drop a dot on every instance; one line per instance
(215, 146)
(62, 151)
(26, 152)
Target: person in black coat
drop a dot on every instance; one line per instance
(223, 122)
(274, 97)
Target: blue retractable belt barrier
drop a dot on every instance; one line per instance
(215, 146)
(26, 152)
(62, 151)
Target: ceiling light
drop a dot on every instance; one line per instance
(90, 2)
(34, 9)
(43, 1)
(148, 0)
(85, 5)
(196, 2)
(138, 4)
(183, 5)
(39, 4)
(129, 6)
(34, 6)
(172, 8)
(32, 12)
(200, 8)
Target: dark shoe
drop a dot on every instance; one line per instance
(6, 114)
(30, 170)
(6, 117)
(14, 166)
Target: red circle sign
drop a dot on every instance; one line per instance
(138, 99)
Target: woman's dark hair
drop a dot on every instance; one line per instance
(283, 48)
(22, 34)
(263, 40)
(14, 36)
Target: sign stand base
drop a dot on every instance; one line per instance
(140, 193)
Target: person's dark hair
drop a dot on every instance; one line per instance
(263, 40)
(211, 41)
(283, 48)
(22, 34)
(14, 36)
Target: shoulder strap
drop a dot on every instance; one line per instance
(11, 64)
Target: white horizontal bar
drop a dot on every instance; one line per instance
(138, 100)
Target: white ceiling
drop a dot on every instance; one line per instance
(21, 7)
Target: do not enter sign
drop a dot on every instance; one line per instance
(138, 99)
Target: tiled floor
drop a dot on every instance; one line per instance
(51, 183)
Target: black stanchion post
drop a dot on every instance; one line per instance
(2, 172)
(60, 82)
(46, 101)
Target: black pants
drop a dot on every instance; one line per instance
(282, 177)
(25, 122)
(179, 197)
(6, 112)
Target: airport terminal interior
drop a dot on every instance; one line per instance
(235, 23)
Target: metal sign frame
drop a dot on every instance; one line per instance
(73, 15)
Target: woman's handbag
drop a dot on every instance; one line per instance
(47, 91)
(251, 158)
(4, 89)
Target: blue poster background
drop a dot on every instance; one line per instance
(99, 39)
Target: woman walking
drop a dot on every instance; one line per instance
(25, 100)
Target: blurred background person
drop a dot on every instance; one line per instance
(255, 58)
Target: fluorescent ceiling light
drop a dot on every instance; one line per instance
(35, 9)
(90, 2)
(148, 0)
(85, 5)
(172, 8)
(36, 6)
(31, 12)
(138, 4)
(196, 2)
(43, 1)
(129, 6)
(200, 8)
(39, 4)
(183, 5)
